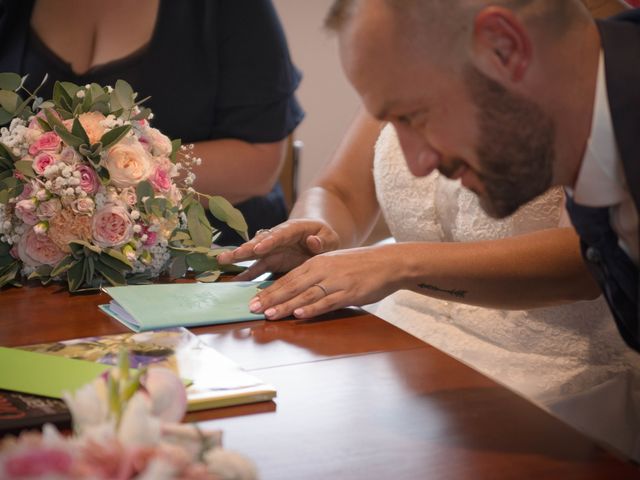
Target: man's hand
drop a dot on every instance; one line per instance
(283, 247)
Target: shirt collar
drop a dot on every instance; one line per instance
(600, 180)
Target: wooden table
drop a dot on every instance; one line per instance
(357, 399)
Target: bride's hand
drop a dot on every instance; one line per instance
(331, 281)
(283, 247)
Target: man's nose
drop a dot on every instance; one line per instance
(421, 158)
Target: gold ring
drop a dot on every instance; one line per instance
(326, 292)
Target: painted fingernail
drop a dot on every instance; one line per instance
(270, 312)
(255, 306)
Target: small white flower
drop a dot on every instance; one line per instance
(109, 88)
(80, 94)
(69, 191)
(135, 214)
(137, 228)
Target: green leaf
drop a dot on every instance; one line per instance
(118, 255)
(139, 279)
(9, 274)
(68, 137)
(78, 130)
(124, 94)
(120, 265)
(10, 81)
(113, 276)
(43, 124)
(10, 101)
(225, 212)
(144, 190)
(208, 277)
(177, 267)
(26, 168)
(63, 265)
(71, 89)
(60, 97)
(75, 275)
(200, 262)
(175, 147)
(5, 117)
(114, 135)
(87, 245)
(199, 227)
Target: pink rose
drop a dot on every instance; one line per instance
(35, 125)
(48, 141)
(112, 226)
(26, 211)
(89, 181)
(69, 156)
(128, 164)
(159, 143)
(42, 161)
(49, 209)
(161, 180)
(28, 191)
(129, 196)
(83, 206)
(35, 250)
(39, 462)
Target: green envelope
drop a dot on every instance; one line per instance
(152, 307)
(43, 374)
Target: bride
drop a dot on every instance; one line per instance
(568, 359)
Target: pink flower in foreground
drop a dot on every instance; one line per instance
(35, 250)
(89, 181)
(48, 142)
(112, 226)
(38, 462)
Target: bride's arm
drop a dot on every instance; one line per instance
(538, 269)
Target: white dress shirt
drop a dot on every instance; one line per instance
(601, 181)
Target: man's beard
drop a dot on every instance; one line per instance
(516, 147)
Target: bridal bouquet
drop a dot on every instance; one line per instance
(91, 193)
(125, 427)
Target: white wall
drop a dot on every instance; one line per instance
(327, 98)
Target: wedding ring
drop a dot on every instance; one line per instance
(326, 292)
(262, 230)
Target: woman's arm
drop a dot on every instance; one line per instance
(238, 170)
(538, 269)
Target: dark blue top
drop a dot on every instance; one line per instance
(213, 68)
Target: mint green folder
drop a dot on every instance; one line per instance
(152, 307)
(43, 374)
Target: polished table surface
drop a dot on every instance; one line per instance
(357, 399)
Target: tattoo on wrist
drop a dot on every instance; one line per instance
(453, 293)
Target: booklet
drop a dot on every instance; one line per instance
(152, 307)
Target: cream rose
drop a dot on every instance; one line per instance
(92, 124)
(112, 226)
(128, 164)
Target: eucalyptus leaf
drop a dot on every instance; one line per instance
(5, 117)
(10, 81)
(177, 267)
(125, 95)
(208, 277)
(71, 89)
(25, 167)
(199, 228)
(225, 212)
(200, 262)
(10, 101)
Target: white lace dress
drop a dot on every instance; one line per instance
(568, 359)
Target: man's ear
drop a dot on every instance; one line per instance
(502, 46)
